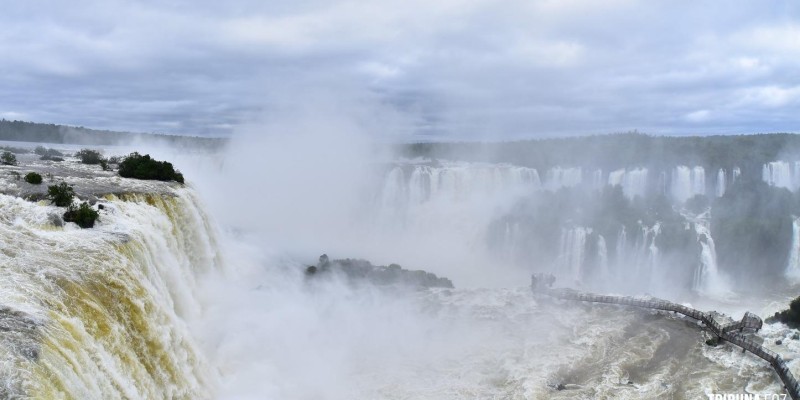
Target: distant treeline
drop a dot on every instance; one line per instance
(622, 150)
(22, 131)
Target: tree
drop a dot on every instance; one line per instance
(82, 215)
(61, 195)
(8, 158)
(33, 178)
(140, 166)
(89, 156)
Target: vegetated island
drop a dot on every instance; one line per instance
(790, 316)
(363, 271)
(23, 131)
(79, 190)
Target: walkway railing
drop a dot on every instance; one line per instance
(726, 332)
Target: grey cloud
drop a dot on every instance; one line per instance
(463, 69)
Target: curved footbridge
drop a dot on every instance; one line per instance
(730, 332)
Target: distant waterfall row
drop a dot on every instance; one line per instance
(782, 174)
(418, 183)
(583, 256)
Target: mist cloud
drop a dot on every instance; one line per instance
(463, 69)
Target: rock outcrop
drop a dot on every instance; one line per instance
(363, 271)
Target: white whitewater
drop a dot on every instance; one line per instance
(453, 181)
(143, 306)
(781, 174)
(602, 253)
(687, 182)
(112, 301)
(720, 182)
(708, 279)
(793, 263)
(573, 253)
(558, 177)
(633, 182)
(647, 252)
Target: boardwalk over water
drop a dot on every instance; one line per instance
(729, 332)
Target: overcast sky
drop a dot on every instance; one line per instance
(453, 69)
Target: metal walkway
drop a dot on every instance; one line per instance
(729, 332)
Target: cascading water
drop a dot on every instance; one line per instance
(633, 182)
(687, 182)
(708, 280)
(573, 252)
(110, 303)
(602, 253)
(793, 263)
(720, 182)
(558, 177)
(779, 174)
(647, 252)
(597, 179)
(453, 182)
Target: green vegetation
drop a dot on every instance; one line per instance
(752, 228)
(15, 150)
(89, 156)
(8, 158)
(61, 195)
(48, 154)
(633, 149)
(22, 131)
(44, 151)
(33, 178)
(82, 215)
(140, 166)
(790, 317)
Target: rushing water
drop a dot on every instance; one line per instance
(157, 302)
(110, 303)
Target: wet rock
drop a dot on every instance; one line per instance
(713, 342)
(363, 271)
(779, 342)
(796, 336)
(560, 386)
(56, 220)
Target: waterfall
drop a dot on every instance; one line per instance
(647, 251)
(779, 174)
(737, 172)
(573, 252)
(110, 303)
(602, 255)
(687, 182)
(452, 182)
(633, 182)
(597, 179)
(622, 244)
(558, 177)
(708, 280)
(720, 182)
(793, 264)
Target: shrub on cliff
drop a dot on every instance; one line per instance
(89, 156)
(8, 158)
(82, 215)
(140, 166)
(45, 152)
(61, 195)
(33, 178)
(789, 317)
